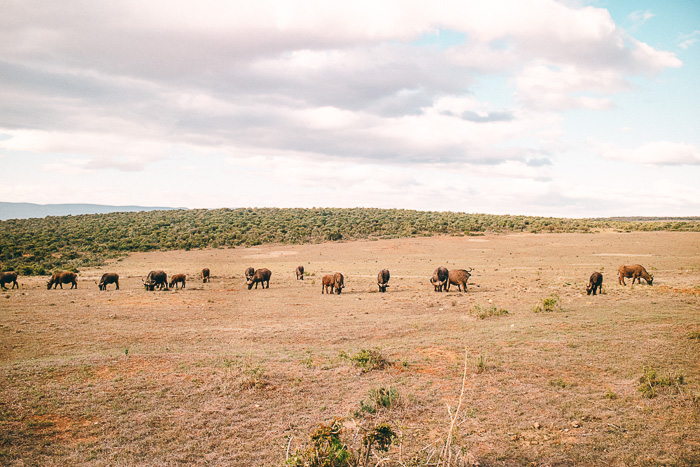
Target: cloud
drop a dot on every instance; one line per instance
(325, 92)
(657, 153)
(689, 40)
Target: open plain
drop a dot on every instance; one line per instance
(219, 374)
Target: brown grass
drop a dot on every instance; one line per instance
(219, 374)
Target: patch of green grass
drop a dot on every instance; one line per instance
(368, 359)
(559, 383)
(651, 382)
(549, 304)
(694, 335)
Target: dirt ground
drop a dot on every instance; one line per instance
(219, 374)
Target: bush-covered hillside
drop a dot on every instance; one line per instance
(38, 246)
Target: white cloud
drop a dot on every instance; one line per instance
(653, 153)
(330, 93)
(689, 40)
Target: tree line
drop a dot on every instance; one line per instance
(39, 246)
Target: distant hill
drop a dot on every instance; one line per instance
(31, 210)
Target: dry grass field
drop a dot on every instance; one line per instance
(218, 374)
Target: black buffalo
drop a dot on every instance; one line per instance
(63, 277)
(261, 276)
(108, 278)
(7, 277)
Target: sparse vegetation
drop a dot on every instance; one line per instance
(368, 359)
(650, 383)
(327, 449)
(548, 305)
(218, 374)
(483, 312)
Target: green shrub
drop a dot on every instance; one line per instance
(651, 382)
(368, 359)
(548, 305)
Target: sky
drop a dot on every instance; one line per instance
(524, 107)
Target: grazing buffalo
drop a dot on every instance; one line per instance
(249, 274)
(339, 282)
(458, 277)
(7, 277)
(383, 280)
(595, 282)
(439, 279)
(636, 272)
(300, 272)
(332, 283)
(205, 275)
(262, 276)
(63, 277)
(108, 278)
(178, 278)
(327, 284)
(156, 279)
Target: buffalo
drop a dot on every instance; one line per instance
(332, 283)
(156, 279)
(178, 278)
(595, 282)
(458, 277)
(249, 274)
(205, 275)
(339, 282)
(63, 277)
(383, 280)
(439, 279)
(261, 276)
(108, 278)
(636, 272)
(7, 277)
(300, 272)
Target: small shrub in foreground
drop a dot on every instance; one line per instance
(548, 305)
(327, 449)
(651, 382)
(368, 359)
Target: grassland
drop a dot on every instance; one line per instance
(218, 374)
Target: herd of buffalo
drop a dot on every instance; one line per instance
(441, 279)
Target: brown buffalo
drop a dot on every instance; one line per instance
(636, 272)
(156, 279)
(249, 274)
(300, 272)
(595, 282)
(7, 277)
(439, 279)
(339, 282)
(261, 276)
(63, 277)
(108, 278)
(383, 279)
(332, 283)
(458, 277)
(178, 279)
(327, 284)
(205, 275)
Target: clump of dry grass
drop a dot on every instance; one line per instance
(483, 312)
